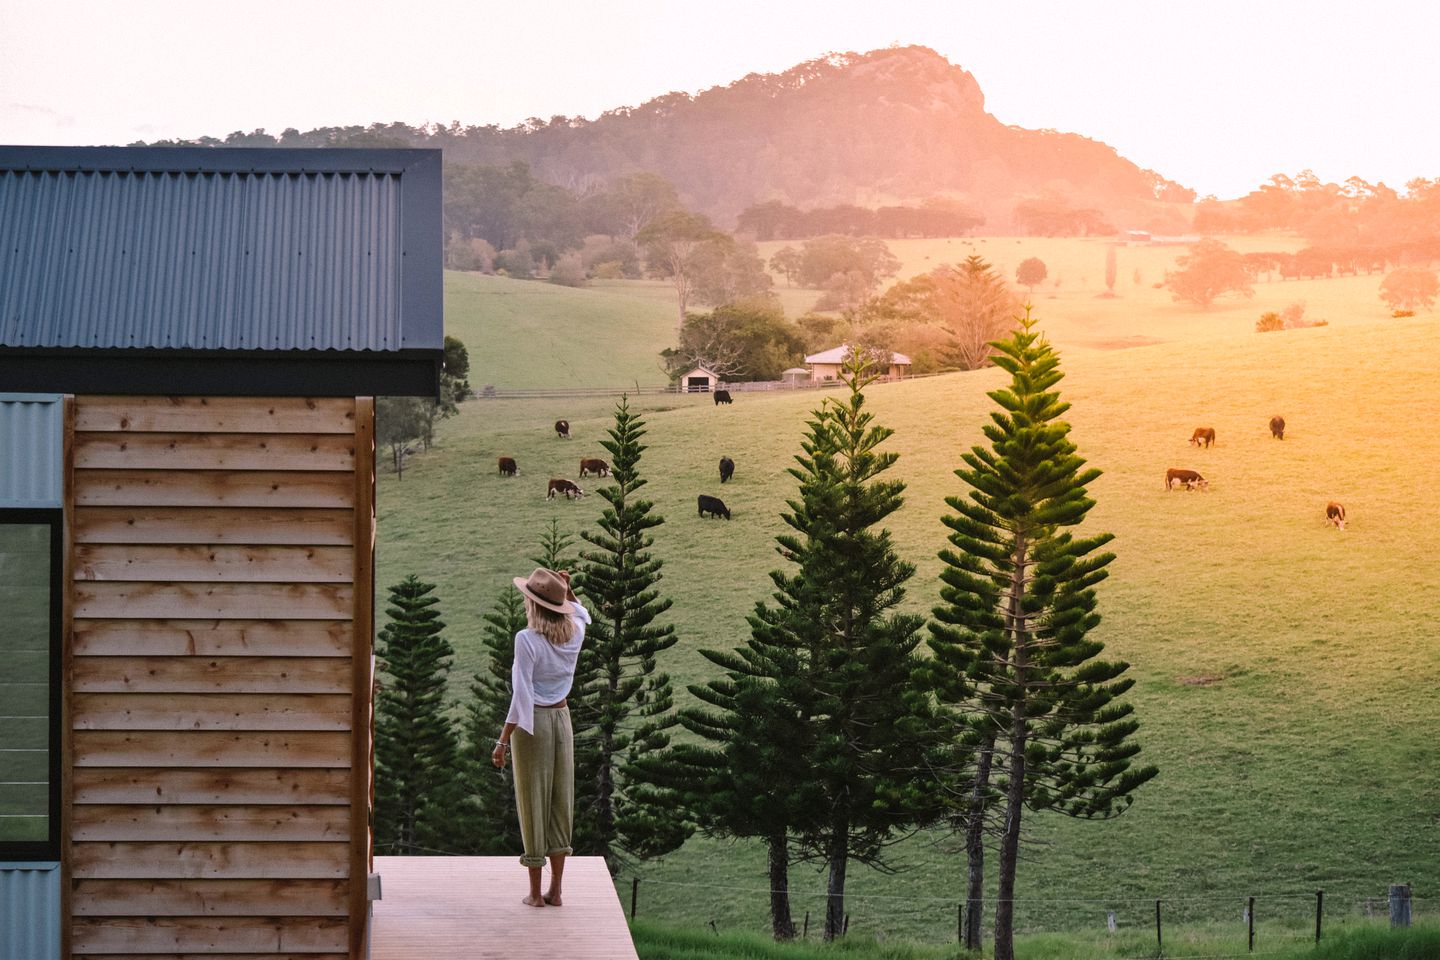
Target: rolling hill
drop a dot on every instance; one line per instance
(1285, 670)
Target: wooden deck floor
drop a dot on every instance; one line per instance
(468, 908)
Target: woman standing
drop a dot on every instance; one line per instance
(537, 730)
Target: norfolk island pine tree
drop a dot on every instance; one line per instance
(870, 727)
(415, 746)
(621, 703)
(1012, 655)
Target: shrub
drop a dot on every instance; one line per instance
(1269, 322)
(568, 271)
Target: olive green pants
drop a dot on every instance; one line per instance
(545, 784)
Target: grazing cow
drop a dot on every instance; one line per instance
(1277, 427)
(571, 490)
(722, 396)
(1191, 479)
(1203, 435)
(562, 429)
(507, 467)
(598, 467)
(713, 506)
(727, 469)
(1335, 514)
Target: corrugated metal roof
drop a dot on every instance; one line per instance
(219, 249)
(31, 452)
(30, 902)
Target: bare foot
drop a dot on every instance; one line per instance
(532, 901)
(553, 899)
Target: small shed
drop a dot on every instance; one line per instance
(191, 341)
(700, 380)
(826, 364)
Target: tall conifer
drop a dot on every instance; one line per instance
(622, 704)
(415, 745)
(869, 724)
(1018, 601)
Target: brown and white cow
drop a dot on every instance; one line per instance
(1203, 436)
(562, 429)
(1190, 479)
(507, 467)
(598, 467)
(571, 489)
(1335, 514)
(1277, 427)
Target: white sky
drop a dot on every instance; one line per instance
(1218, 95)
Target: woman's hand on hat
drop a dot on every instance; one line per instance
(569, 592)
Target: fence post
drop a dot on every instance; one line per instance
(845, 930)
(1159, 941)
(634, 894)
(960, 923)
(805, 934)
(1319, 912)
(1399, 904)
(1250, 921)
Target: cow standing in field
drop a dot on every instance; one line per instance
(507, 467)
(598, 467)
(713, 506)
(1277, 427)
(571, 490)
(727, 469)
(1191, 479)
(1203, 435)
(562, 429)
(722, 396)
(1335, 514)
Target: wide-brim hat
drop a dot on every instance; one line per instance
(546, 588)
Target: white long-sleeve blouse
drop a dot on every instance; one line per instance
(543, 672)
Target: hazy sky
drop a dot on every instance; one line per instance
(1217, 95)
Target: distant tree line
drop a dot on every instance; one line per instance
(936, 217)
(825, 733)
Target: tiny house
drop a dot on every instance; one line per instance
(190, 345)
(827, 364)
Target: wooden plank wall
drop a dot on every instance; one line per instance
(220, 678)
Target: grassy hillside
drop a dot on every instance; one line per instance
(1286, 671)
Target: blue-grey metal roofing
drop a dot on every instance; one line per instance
(31, 452)
(220, 249)
(30, 911)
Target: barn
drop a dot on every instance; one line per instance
(190, 341)
(699, 380)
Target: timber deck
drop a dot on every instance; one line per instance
(468, 908)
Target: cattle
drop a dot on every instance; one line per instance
(1277, 427)
(562, 429)
(727, 469)
(507, 467)
(1191, 479)
(598, 467)
(1335, 514)
(571, 490)
(713, 506)
(1203, 435)
(722, 396)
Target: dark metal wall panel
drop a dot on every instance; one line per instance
(31, 453)
(204, 261)
(30, 908)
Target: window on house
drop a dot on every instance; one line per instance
(30, 569)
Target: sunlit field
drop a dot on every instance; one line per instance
(1286, 671)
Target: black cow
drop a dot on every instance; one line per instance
(1277, 427)
(562, 429)
(727, 469)
(713, 506)
(722, 396)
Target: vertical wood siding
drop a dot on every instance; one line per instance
(219, 677)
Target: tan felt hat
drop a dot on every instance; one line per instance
(545, 587)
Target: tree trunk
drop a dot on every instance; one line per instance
(1015, 792)
(780, 919)
(838, 856)
(975, 847)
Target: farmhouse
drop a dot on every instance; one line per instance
(826, 364)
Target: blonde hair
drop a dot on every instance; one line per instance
(557, 628)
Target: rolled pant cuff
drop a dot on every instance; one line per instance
(560, 852)
(533, 863)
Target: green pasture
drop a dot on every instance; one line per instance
(1286, 671)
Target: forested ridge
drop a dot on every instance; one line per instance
(892, 126)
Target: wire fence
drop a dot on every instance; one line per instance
(489, 392)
